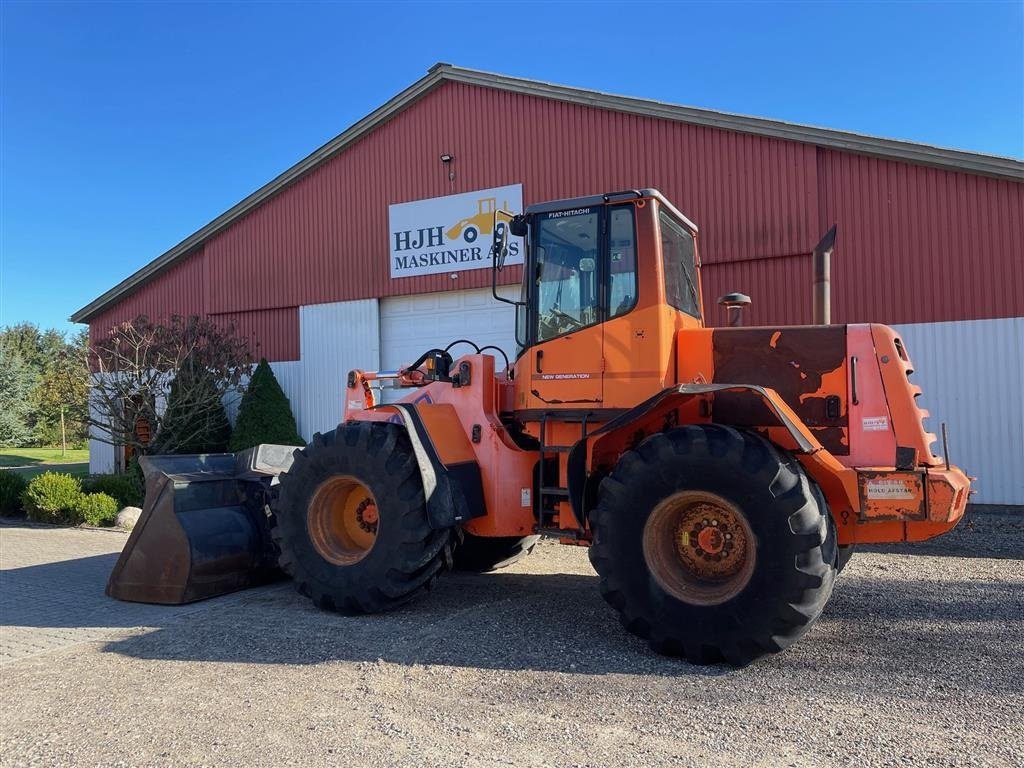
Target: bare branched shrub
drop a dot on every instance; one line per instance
(134, 365)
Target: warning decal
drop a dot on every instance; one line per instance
(875, 424)
(889, 489)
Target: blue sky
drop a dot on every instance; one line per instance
(126, 127)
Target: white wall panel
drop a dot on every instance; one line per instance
(972, 374)
(232, 401)
(333, 339)
(101, 455)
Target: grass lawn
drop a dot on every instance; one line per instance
(33, 461)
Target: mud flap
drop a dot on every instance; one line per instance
(452, 482)
(204, 528)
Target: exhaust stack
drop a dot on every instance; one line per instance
(734, 304)
(822, 293)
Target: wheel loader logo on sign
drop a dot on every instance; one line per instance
(450, 234)
(481, 224)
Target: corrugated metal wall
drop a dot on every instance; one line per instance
(179, 291)
(102, 460)
(752, 195)
(915, 244)
(272, 333)
(334, 338)
(918, 244)
(184, 290)
(972, 374)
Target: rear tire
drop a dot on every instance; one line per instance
(352, 521)
(711, 544)
(485, 553)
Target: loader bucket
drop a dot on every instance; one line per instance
(204, 528)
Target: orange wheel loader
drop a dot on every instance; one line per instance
(721, 477)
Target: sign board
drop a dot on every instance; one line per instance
(452, 233)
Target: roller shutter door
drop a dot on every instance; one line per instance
(410, 325)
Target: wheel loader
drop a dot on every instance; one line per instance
(719, 476)
(482, 223)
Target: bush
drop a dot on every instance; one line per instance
(265, 415)
(97, 508)
(12, 485)
(52, 498)
(126, 489)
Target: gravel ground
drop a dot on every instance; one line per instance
(917, 661)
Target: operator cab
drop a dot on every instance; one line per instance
(607, 282)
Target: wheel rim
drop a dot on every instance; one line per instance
(342, 520)
(699, 547)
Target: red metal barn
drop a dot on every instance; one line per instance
(929, 241)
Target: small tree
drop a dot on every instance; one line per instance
(61, 397)
(265, 415)
(16, 382)
(195, 420)
(134, 366)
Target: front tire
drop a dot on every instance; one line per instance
(712, 544)
(352, 521)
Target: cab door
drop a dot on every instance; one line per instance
(565, 299)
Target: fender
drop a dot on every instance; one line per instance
(452, 483)
(596, 454)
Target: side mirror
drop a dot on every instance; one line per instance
(499, 250)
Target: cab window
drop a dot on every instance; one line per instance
(621, 261)
(566, 253)
(677, 253)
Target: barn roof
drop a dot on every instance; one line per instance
(906, 151)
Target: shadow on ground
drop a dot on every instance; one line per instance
(885, 614)
(15, 460)
(70, 594)
(559, 623)
(33, 467)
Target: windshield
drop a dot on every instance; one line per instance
(566, 254)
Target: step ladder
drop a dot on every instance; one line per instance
(551, 493)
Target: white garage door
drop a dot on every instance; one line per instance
(410, 325)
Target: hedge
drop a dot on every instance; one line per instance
(12, 485)
(126, 489)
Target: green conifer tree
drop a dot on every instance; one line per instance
(16, 382)
(265, 415)
(195, 420)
